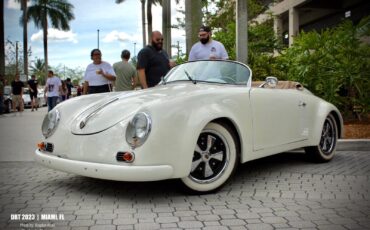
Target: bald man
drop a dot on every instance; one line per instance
(153, 62)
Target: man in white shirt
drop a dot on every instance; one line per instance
(53, 87)
(98, 75)
(207, 48)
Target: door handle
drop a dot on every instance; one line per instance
(302, 103)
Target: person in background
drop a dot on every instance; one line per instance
(207, 48)
(126, 73)
(153, 62)
(32, 86)
(79, 90)
(69, 87)
(64, 91)
(98, 75)
(53, 87)
(17, 91)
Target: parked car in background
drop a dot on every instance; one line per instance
(41, 98)
(7, 99)
(73, 92)
(197, 125)
(27, 98)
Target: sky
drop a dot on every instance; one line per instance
(119, 28)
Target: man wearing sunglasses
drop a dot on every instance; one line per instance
(153, 62)
(207, 48)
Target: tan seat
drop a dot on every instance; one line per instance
(280, 85)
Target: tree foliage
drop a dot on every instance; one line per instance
(333, 64)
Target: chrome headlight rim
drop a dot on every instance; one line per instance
(132, 138)
(50, 123)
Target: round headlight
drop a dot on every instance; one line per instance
(50, 123)
(138, 129)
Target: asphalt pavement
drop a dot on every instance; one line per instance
(284, 191)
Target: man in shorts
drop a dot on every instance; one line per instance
(17, 91)
(32, 86)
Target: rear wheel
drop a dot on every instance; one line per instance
(325, 150)
(214, 160)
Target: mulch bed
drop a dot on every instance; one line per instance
(355, 129)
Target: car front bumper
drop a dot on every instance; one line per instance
(105, 171)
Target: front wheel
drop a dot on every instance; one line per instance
(214, 160)
(325, 150)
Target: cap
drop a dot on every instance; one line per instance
(205, 29)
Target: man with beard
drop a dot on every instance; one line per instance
(153, 62)
(207, 48)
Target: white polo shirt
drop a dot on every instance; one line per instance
(95, 79)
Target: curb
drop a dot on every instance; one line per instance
(353, 145)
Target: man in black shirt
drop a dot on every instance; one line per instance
(153, 62)
(32, 86)
(17, 91)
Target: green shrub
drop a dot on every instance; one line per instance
(333, 64)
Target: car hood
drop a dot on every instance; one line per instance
(106, 110)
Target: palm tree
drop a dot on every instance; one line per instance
(25, 36)
(38, 69)
(149, 5)
(149, 15)
(193, 18)
(2, 40)
(142, 18)
(166, 25)
(58, 11)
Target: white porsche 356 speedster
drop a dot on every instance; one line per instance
(197, 125)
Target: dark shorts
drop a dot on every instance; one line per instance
(33, 95)
(99, 89)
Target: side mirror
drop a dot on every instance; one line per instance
(271, 82)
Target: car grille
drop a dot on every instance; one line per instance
(49, 147)
(119, 156)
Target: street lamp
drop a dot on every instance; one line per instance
(16, 57)
(134, 49)
(98, 38)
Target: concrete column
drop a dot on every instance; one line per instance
(293, 24)
(278, 25)
(242, 31)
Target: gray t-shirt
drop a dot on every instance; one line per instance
(211, 50)
(124, 74)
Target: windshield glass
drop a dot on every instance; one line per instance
(223, 72)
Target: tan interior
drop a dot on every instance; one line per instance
(280, 85)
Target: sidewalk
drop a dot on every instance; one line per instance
(353, 145)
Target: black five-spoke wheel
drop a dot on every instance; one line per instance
(214, 159)
(325, 150)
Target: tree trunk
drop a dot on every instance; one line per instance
(25, 38)
(150, 20)
(242, 31)
(166, 25)
(45, 33)
(193, 21)
(143, 21)
(2, 40)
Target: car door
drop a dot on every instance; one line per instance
(278, 117)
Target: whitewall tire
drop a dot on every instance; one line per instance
(325, 150)
(214, 161)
